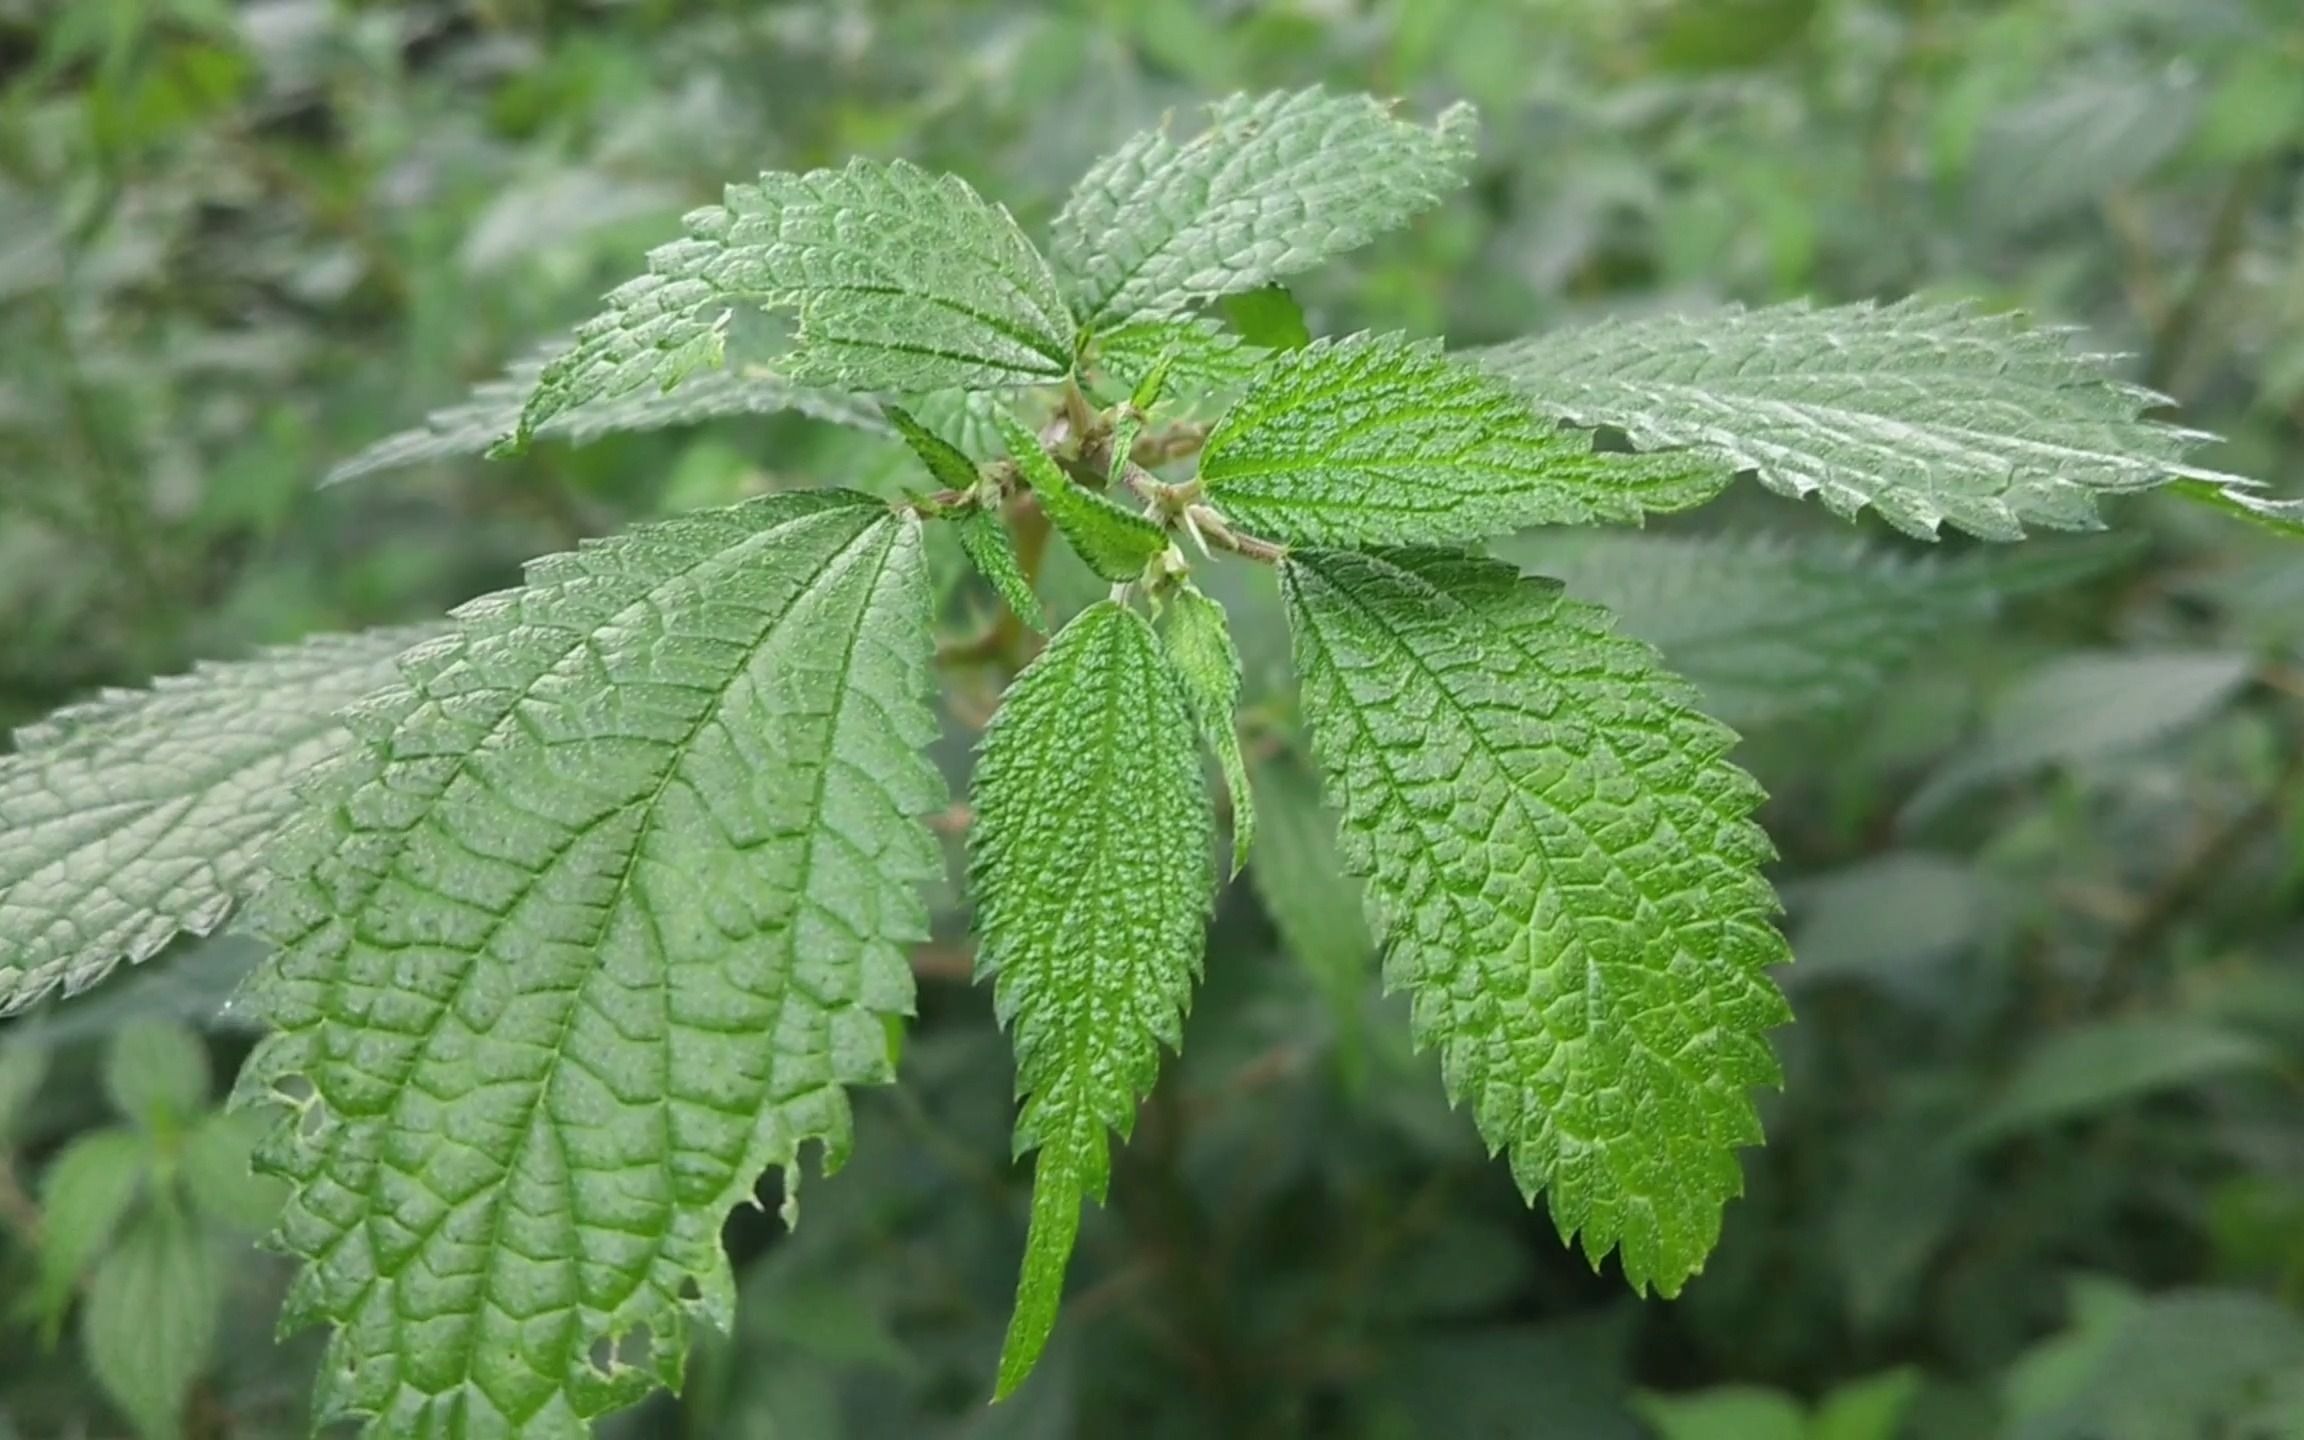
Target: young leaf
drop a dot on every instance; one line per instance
(1276, 184)
(1198, 640)
(1569, 879)
(1929, 413)
(1200, 355)
(1091, 860)
(1117, 543)
(156, 1072)
(946, 462)
(492, 411)
(1769, 628)
(594, 926)
(150, 1325)
(903, 281)
(83, 1196)
(138, 815)
(1377, 439)
(992, 550)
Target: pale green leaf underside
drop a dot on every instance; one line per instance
(902, 282)
(1276, 184)
(138, 816)
(1378, 439)
(1768, 627)
(492, 411)
(1569, 880)
(1929, 413)
(593, 927)
(1091, 858)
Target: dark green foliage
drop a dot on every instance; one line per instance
(2032, 1170)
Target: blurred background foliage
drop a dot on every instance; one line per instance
(2038, 1168)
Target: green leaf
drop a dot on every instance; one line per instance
(1198, 640)
(1929, 413)
(1377, 439)
(1569, 881)
(2086, 706)
(903, 281)
(1091, 860)
(217, 1168)
(1117, 543)
(611, 902)
(1317, 907)
(150, 1324)
(1269, 317)
(945, 461)
(85, 1192)
(1769, 628)
(138, 816)
(1725, 1412)
(1200, 356)
(992, 550)
(1869, 1409)
(1276, 184)
(2092, 1068)
(156, 1072)
(492, 411)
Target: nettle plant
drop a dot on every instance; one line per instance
(586, 911)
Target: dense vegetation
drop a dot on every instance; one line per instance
(2033, 1169)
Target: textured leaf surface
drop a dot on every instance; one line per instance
(595, 925)
(1568, 878)
(1116, 542)
(139, 815)
(1770, 628)
(150, 1324)
(1276, 184)
(1198, 640)
(1928, 413)
(1377, 439)
(492, 411)
(1202, 357)
(902, 280)
(1091, 856)
(992, 550)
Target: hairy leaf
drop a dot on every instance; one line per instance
(1198, 640)
(992, 551)
(902, 280)
(592, 929)
(1377, 439)
(1568, 878)
(1116, 542)
(1770, 628)
(492, 411)
(138, 816)
(1276, 184)
(1201, 356)
(1929, 413)
(1091, 856)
